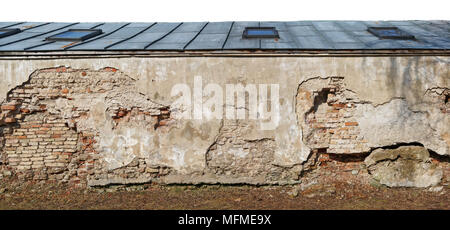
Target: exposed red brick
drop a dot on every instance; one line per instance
(109, 69)
(10, 120)
(25, 111)
(351, 123)
(338, 105)
(162, 122)
(8, 107)
(61, 69)
(58, 69)
(121, 113)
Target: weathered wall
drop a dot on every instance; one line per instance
(112, 120)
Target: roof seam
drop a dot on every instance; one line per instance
(259, 40)
(182, 36)
(4, 27)
(427, 41)
(43, 24)
(349, 34)
(294, 40)
(322, 35)
(424, 28)
(126, 39)
(96, 38)
(203, 27)
(37, 35)
(156, 40)
(228, 35)
(101, 24)
(51, 42)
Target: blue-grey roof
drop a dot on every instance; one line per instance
(184, 36)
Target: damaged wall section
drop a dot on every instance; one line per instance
(338, 121)
(54, 123)
(351, 135)
(100, 126)
(235, 155)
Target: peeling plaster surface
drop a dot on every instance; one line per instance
(406, 166)
(394, 122)
(389, 96)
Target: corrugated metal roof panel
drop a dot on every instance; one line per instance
(303, 31)
(146, 38)
(190, 27)
(339, 37)
(235, 42)
(295, 35)
(179, 38)
(217, 28)
(352, 25)
(312, 42)
(212, 37)
(208, 42)
(327, 26)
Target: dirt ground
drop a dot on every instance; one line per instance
(14, 195)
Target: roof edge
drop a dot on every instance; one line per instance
(215, 53)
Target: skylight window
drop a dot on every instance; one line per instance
(8, 32)
(74, 35)
(260, 32)
(390, 33)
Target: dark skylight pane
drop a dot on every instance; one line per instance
(390, 33)
(260, 32)
(8, 32)
(72, 34)
(75, 35)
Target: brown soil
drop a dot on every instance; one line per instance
(14, 195)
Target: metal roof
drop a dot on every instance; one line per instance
(183, 36)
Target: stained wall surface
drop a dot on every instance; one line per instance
(99, 121)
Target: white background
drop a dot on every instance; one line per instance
(224, 10)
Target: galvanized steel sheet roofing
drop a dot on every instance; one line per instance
(184, 36)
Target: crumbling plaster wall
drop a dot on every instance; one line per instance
(344, 105)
